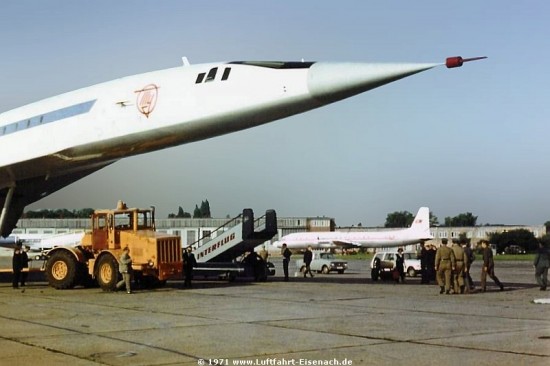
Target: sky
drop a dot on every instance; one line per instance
(473, 139)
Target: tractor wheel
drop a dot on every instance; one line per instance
(61, 270)
(107, 273)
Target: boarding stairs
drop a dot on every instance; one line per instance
(237, 236)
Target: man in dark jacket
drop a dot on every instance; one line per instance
(541, 263)
(286, 259)
(430, 261)
(308, 257)
(424, 263)
(189, 262)
(488, 267)
(400, 265)
(25, 262)
(17, 264)
(471, 257)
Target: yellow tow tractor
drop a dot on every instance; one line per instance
(156, 257)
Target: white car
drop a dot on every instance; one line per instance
(324, 263)
(383, 262)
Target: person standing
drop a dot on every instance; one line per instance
(444, 265)
(25, 264)
(189, 262)
(125, 268)
(430, 259)
(17, 265)
(488, 267)
(471, 257)
(308, 257)
(541, 263)
(424, 263)
(400, 265)
(461, 266)
(286, 259)
(264, 254)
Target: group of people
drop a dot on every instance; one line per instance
(450, 266)
(308, 258)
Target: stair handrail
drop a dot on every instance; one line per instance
(259, 221)
(197, 243)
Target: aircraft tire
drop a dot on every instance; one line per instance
(107, 273)
(61, 270)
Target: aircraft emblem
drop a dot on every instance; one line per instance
(147, 99)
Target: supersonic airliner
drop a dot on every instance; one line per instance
(52, 143)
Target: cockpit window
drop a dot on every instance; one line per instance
(275, 64)
(226, 72)
(211, 75)
(200, 78)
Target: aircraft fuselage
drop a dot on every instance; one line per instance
(51, 143)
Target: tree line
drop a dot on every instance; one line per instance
(402, 219)
(85, 213)
(198, 213)
(61, 213)
(522, 237)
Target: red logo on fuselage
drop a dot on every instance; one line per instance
(147, 99)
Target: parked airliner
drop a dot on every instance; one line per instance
(418, 232)
(52, 143)
(42, 242)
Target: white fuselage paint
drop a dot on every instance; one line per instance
(184, 111)
(51, 143)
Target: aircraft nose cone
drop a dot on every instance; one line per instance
(330, 82)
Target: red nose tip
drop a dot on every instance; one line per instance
(457, 61)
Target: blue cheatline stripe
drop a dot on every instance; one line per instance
(53, 116)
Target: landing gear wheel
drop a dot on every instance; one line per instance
(107, 273)
(61, 270)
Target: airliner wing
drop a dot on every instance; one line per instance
(346, 244)
(8, 242)
(32, 189)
